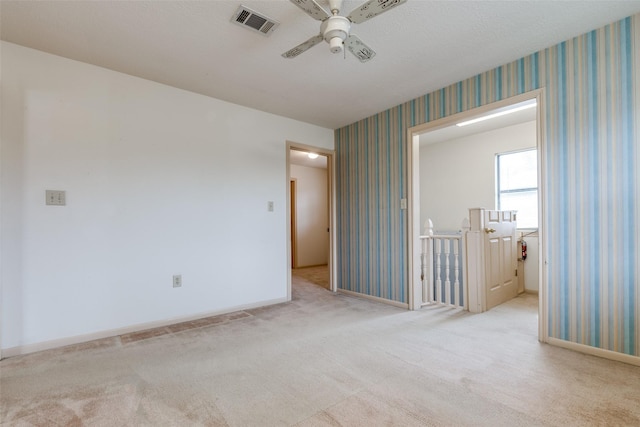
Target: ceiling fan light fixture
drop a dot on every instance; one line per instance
(335, 45)
(334, 31)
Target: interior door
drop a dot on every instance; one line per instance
(293, 226)
(500, 256)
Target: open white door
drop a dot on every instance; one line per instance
(491, 258)
(501, 261)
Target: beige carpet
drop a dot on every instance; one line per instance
(318, 275)
(324, 360)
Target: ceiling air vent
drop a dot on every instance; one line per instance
(254, 21)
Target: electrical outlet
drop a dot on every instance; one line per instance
(177, 281)
(270, 206)
(55, 198)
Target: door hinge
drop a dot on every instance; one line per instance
(516, 272)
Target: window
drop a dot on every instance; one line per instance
(517, 185)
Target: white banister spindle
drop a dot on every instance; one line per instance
(438, 256)
(447, 271)
(456, 272)
(424, 269)
(430, 277)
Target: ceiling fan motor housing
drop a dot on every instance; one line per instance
(335, 30)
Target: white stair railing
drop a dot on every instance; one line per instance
(443, 259)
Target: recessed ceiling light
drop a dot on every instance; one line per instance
(312, 156)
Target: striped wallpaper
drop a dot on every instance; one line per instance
(591, 203)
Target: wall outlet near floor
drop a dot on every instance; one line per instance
(177, 281)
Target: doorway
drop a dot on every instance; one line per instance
(453, 176)
(311, 215)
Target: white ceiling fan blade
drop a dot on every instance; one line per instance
(371, 9)
(292, 53)
(312, 9)
(360, 50)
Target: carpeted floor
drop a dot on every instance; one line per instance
(324, 360)
(318, 275)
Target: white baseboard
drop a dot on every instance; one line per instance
(376, 299)
(594, 351)
(79, 339)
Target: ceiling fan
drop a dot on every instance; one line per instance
(335, 29)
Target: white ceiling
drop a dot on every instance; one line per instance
(421, 46)
(455, 132)
(301, 158)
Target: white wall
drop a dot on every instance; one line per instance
(312, 215)
(159, 182)
(460, 174)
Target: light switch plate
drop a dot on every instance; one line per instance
(56, 197)
(177, 281)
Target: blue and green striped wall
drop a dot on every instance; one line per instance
(591, 206)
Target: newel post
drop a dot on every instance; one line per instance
(427, 263)
(475, 260)
(465, 228)
(428, 228)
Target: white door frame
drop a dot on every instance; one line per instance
(413, 162)
(330, 154)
